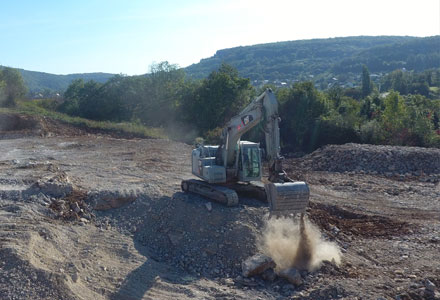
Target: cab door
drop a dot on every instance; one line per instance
(250, 167)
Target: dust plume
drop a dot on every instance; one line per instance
(180, 131)
(296, 244)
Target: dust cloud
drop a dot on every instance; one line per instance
(299, 244)
(180, 131)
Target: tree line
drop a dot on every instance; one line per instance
(403, 110)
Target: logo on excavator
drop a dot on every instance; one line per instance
(244, 121)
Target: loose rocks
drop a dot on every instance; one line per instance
(257, 264)
(104, 200)
(292, 275)
(55, 186)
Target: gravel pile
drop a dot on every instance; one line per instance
(390, 161)
(183, 232)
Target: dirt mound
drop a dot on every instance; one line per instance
(22, 279)
(334, 219)
(14, 122)
(375, 160)
(14, 125)
(180, 230)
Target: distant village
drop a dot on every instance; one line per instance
(321, 83)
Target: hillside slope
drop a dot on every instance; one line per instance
(303, 59)
(39, 81)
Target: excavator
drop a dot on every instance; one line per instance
(236, 165)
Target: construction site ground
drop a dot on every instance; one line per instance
(93, 215)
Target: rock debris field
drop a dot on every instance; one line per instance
(94, 215)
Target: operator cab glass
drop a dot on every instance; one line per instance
(250, 162)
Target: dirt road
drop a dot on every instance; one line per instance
(95, 217)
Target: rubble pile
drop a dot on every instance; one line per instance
(184, 233)
(73, 207)
(390, 161)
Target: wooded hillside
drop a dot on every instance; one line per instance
(324, 60)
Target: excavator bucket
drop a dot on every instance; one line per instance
(287, 198)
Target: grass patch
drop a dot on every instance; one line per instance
(36, 108)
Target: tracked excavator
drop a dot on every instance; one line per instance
(236, 165)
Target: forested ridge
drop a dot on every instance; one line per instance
(324, 59)
(46, 84)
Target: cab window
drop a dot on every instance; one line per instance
(251, 162)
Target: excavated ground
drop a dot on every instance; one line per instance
(91, 216)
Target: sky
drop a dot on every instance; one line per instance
(127, 37)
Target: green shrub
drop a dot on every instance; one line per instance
(327, 132)
(371, 132)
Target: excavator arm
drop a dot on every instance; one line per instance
(263, 109)
(284, 195)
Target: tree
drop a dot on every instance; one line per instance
(13, 86)
(73, 91)
(2, 92)
(71, 96)
(367, 86)
(161, 94)
(421, 119)
(419, 88)
(349, 109)
(119, 97)
(151, 99)
(397, 81)
(395, 119)
(335, 95)
(217, 99)
(395, 111)
(371, 106)
(300, 113)
(84, 99)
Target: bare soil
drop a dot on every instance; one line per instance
(88, 215)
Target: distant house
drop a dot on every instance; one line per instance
(384, 95)
(348, 85)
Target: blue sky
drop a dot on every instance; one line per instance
(126, 37)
